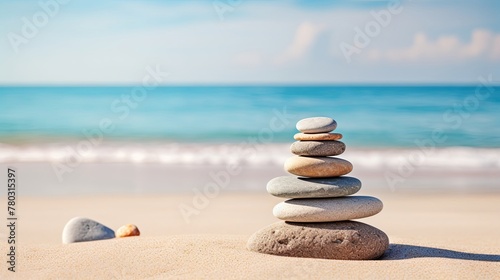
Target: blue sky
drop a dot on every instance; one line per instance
(263, 42)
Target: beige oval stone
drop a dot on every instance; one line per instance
(347, 240)
(317, 167)
(317, 136)
(127, 231)
(317, 148)
(327, 209)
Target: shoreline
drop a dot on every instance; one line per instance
(178, 168)
(240, 152)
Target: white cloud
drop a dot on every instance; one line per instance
(305, 36)
(483, 43)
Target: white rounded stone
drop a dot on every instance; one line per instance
(327, 209)
(316, 125)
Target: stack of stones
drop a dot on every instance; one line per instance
(317, 217)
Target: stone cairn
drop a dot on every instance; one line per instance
(317, 217)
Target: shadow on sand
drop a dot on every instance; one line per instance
(403, 252)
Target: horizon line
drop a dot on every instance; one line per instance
(391, 84)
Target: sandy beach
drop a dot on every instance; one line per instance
(438, 236)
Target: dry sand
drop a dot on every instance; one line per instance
(439, 236)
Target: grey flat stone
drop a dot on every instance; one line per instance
(311, 210)
(83, 229)
(318, 148)
(339, 240)
(316, 125)
(300, 187)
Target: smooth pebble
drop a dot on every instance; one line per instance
(318, 148)
(327, 209)
(83, 229)
(301, 187)
(316, 125)
(317, 167)
(127, 231)
(317, 136)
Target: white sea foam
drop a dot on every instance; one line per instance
(246, 154)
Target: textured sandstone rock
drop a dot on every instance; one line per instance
(339, 240)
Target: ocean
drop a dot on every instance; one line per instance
(126, 140)
(368, 116)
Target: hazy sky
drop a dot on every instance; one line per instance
(230, 41)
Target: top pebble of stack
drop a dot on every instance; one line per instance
(316, 125)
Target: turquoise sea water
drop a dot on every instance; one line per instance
(184, 135)
(368, 116)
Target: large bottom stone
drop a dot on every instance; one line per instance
(345, 240)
